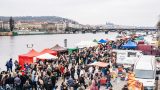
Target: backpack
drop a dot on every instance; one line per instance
(49, 81)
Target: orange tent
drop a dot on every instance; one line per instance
(47, 50)
(27, 58)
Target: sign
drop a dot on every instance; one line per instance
(124, 57)
(121, 56)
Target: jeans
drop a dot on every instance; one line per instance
(108, 85)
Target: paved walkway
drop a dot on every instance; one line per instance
(116, 85)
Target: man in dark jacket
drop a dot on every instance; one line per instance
(72, 71)
(17, 82)
(10, 64)
(53, 79)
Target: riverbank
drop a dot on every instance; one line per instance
(8, 33)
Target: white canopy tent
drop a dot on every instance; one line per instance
(83, 44)
(46, 56)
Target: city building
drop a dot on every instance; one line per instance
(28, 25)
(1, 24)
(51, 27)
(61, 26)
(6, 25)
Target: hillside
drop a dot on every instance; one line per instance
(38, 19)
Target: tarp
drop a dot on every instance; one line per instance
(133, 84)
(144, 48)
(27, 58)
(58, 48)
(47, 50)
(71, 50)
(130, 45)
(102, 41)
(47, 56)
(83, 44)
(100, 64)
(139, 38)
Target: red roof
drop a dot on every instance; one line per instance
(47, 50)
(31, 53)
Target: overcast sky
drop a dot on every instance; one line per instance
(123, 12)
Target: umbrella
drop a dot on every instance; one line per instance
(100, 64)
(102, 41)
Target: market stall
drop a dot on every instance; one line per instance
(47, 50)
(47, 56)
(59, 49)
(102, 41)
(71, 50)
(27, 58)
(129, 45)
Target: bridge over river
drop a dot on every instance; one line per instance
(94, 30)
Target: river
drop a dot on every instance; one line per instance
(12, 46)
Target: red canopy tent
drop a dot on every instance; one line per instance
(47, 50)
(27, 58)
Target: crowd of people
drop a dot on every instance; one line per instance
(73, 71)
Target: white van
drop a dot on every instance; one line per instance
(145, 71)
(127, 57)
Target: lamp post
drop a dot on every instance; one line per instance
(30, 46)
(65, 43)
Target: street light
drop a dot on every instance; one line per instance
(29, 45)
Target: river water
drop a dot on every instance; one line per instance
(12, 46)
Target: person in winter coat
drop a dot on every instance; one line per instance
(10, 64)
(72, 71)
(94, 86)
(7, 65)
(17, 83)
(27, 85)
(78, 71)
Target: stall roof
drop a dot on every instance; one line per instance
(46, 56)
(47, 50)
(58, 48)
(31, 53)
